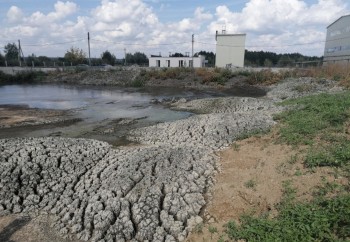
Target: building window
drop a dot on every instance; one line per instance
(190, 63)
(181, 63)
(158, 63)
(168, 63)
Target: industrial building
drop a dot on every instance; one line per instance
(337, 47)
(230, 49)
(170, 61)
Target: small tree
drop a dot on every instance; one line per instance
(2, 60)
(136, 58)
(177, 55)
(75, 56)
(140, 58)
(11, 51)
(108, 58)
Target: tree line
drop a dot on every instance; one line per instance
(75, 56)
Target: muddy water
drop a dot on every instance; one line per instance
(106, 113)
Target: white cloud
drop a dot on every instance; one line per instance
(279, 25)
(14, 14)
(272, 25)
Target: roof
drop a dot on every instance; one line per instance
(338, 20)
(230, 34)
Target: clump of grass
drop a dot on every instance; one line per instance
(198, 228)
(302, 88)
(264, 77)
(250, 184)
(235, 146)
(212, 230)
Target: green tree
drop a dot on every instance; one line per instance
(209, 56)
(75, 56)
(136, 58)
(108, 58)
(2, 60)
(177, 55)
(11, 51)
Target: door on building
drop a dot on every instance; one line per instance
(158, 63)
(181, 63)
(168, 63)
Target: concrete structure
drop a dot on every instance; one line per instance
(230, 49)
(337, 47)
(186, 61)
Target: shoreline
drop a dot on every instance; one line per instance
(153, 191)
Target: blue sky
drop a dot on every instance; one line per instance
(51, 27)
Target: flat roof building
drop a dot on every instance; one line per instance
(170, 61)
(337, 46)
(230, 49)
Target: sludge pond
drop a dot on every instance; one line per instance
(100, 112)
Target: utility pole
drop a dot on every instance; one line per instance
(125, 56)
(192, 49)
(19, 53)
(89, 48)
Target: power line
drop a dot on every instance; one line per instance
(57, 43)
(274, 46)
(121, 43)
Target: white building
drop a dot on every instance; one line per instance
(186, 61)
(337, 47)
(230, 49)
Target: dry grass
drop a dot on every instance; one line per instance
(337, 72)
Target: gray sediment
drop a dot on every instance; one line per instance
(152, 192)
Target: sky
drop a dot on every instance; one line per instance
(51, 27)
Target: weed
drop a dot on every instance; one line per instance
(265, 77)
(139, 82)
(198, 228)
(235, 146)
(303, 88)
(212, 230)
(293, 159)
(298, 172)
(221, 238)
(250, 184)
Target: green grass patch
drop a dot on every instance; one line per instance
(326, 219)
(313, 115)
(335, 155)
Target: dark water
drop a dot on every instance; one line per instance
(100, 107)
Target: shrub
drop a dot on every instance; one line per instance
(264, 77)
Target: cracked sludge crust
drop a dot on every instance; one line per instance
(154, 192)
